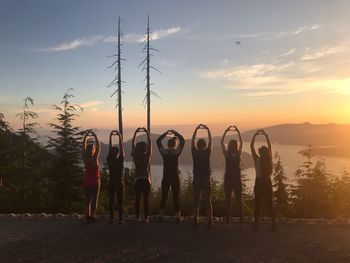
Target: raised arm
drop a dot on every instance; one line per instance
(159, 141)
(121, 146)
(252, 144)
(267, 140)
(110, 140)
(181, 139)
(149, 144)
(84, 144)
(133, 144)
(193, 142)
(223, 147)
(240, 140)
(98, 145)
(210, 141)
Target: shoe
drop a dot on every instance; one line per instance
(146, 221)
(179, 220)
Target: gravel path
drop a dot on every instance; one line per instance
(72, 240)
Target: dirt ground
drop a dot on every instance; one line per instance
(72, 240)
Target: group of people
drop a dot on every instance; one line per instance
(201, 151)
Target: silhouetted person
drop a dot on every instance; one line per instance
(171, 171)
(263, 186)
(91, 153)
(232, 179)
(141, 153)
(115, 161)
(201, 174)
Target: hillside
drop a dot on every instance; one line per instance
(301, 134)
(306, 133)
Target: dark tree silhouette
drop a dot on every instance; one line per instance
(146, 66)
(117, 81)
(281, 196)
(66, 177)
(27, 128)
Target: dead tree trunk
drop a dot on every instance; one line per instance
(117, 81)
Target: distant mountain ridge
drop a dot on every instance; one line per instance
(301, 134)
(306, 133)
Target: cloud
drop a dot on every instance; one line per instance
(271, 79)
(279, 34)
(289, 52)
(91, 104)
(166, 63)
(139, 38)
(317, 53)
(74, 44)
(128, 38)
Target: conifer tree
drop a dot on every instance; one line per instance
(281, 196)
(67, 173)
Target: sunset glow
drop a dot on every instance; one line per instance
(259, 73)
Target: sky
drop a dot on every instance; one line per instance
(249, 63)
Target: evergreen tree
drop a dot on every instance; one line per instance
(340, 192)
(27, 129)
(4, 145)
(67, 173)
(281, 196)
(186, 195)
(311, 194)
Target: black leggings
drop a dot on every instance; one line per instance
(116, 190)
(142, 187)
(263, 192)
(174, 183)
(236, 187)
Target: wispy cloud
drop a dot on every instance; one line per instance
(128, 38)
(289, 52)
(166, 63)
(74, 44)
(279, 34)
(273, 79)
(91, 104)
(139, 38)
(317, 53)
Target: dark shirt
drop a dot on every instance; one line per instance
(201, 162)
(171, 163)
(115, 166)
(233, 169)
(141, 166)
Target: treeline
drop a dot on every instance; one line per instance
(36, 178)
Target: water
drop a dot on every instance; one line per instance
(290, 158)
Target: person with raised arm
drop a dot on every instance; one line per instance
(201, 174)
(115, 162)
(263, 186)
(232, 178)
(91, 153)
(141, 153)
(171, 177)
